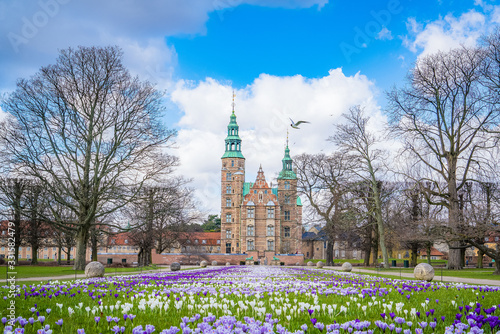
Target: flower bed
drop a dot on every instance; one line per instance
(252, 300)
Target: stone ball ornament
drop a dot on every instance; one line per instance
(424, 271)
(346, 266)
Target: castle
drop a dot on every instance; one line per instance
(256, 218)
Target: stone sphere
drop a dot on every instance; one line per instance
(310, 264)
(203, 264)
(94, 269)
(228, 263)
(175, 266)
(319, 264)
(297, 264)
(346, 266)
(424, 271)
(214, 263)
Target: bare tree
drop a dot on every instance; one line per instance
(88, 132)
(13, 198)
(160, 217)
(356, 140)
(36, 228)
(324, 181)
(445, 117)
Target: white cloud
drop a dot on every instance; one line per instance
(446, 33)
(34, 31)
(384, 34)
(262, 110)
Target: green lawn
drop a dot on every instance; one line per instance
(46, 271)
(398, 261)
(484, 273)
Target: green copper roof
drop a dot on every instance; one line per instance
(246, 187)
(287, 173)
(233, 154)
(299, 201)
(233, 140)
(275, 191)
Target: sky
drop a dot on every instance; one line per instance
(301, 59)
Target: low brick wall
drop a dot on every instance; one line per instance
(196, 258)
(222, 258)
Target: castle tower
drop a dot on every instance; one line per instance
(291, 207)
(232, 180)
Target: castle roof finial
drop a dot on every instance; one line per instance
(233, 100)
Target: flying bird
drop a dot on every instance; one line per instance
(296, 125)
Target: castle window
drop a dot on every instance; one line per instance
(261, 197)
(287, 232)
(250, 230)
(270, 230)
(270, 212)
(228, 202)
(250, 245)
(232, 163)
(287, 185)
(228, 177)
(287, 215)
(270, 245)
(250, 213)
(228, 189)
(228, 234)
(228, 217)
(287, 199)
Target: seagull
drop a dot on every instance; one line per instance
(295, 125)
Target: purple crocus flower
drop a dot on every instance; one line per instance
(80, 331)
(97, 319)
(310, 312)
(41, 319)
(319, 326)
(314, 320)
(59, 322)
(382, 315)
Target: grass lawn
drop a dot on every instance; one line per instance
(46, 271)
(483, 273)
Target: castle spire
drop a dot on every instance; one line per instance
(233, 140)
(287, 171)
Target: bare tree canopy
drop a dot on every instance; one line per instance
(89, 132)
(447, 118)
(355, 139)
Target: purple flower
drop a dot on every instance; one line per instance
(80, 331)
(41, 319)
(304, 327)
(314, 320)
(382, 315)
(310, 312)
(48, 310)
(442, 318)
(59, 322)
(319, 326)
(97, 319)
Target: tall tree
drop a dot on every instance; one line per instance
(324, 181)
(445, 116)
(356, 140)
(88, 132)
(13, 198)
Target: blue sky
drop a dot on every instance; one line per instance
(304, 59)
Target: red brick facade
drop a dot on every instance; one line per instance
(254, 216)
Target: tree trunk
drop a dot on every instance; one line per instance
(454, 256)
(94, 253)
(497, 267)
(413, 256)
(462, 257)
(329, 253)
(480, 255)
(375, 245)
(428, 253)
(81, 248)
(59, 249)
(34, 253)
